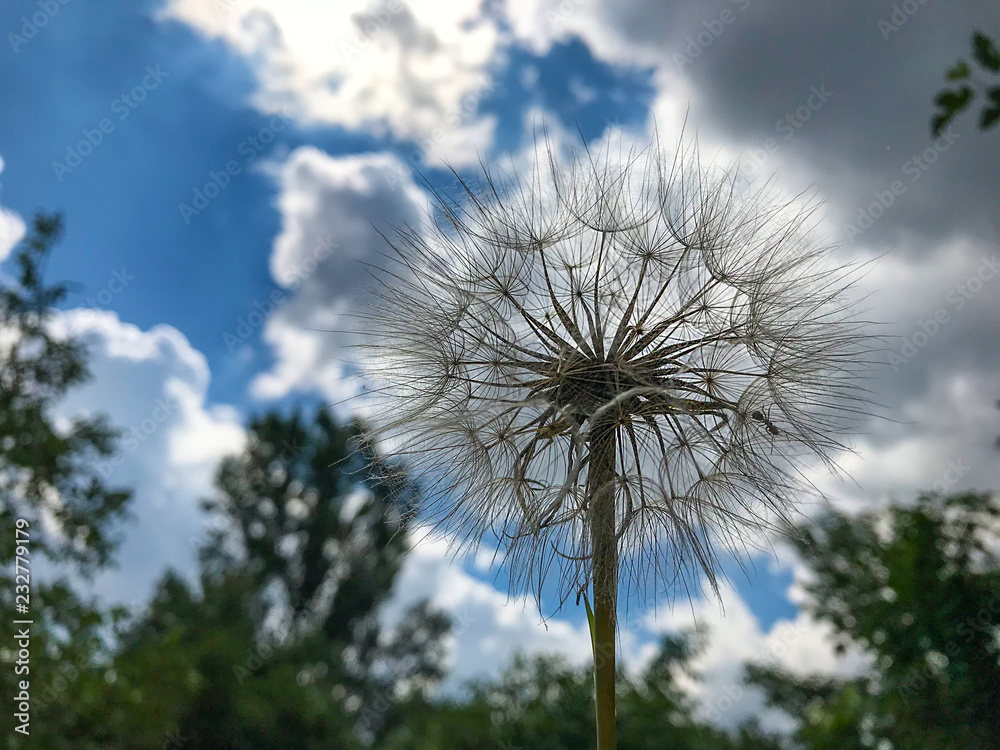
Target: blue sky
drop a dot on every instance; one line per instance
(366, 91)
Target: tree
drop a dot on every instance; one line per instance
(972, 82)
(199, 671)
(283, 645)
(47, 471)
(319, 516)
(543, 702)
(54, 506)
(918, 588)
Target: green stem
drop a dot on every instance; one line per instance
(601, 492)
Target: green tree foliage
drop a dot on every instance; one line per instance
(309, 516)
(979, 79)
(198, 672)
(48, 471)
(283, 646)
(917, 587)
(48, 478)
(545, 704)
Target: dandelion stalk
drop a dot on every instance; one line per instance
(614, 369)
(601, 499)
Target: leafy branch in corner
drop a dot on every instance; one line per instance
(972, 82)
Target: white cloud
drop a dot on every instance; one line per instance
(489, 625)
(934, 384)
(580, 91)
(801, 646)
(941, 439)
(332, 209)
(153, 386)
(415, 70)
(529, 76)
(12, 227)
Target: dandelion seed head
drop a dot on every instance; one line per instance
(692, 317)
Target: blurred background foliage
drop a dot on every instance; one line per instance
(281, 642)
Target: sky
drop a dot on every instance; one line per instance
(224, 166)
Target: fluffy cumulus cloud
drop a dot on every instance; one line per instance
(733, 638)
(333, 210)
(489, 625)
(933, 385)
(941, 440)
(12, 227)
(415, 71)
(152, 385)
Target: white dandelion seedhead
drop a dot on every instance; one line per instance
(688, 327)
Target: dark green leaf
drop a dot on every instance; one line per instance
(939, 123)
(986, 52)
(989, 118)
(991, 115)
(959, 72)
(951, 102)
(955, 100)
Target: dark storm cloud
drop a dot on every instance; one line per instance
(884, 63)
(928, 206)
